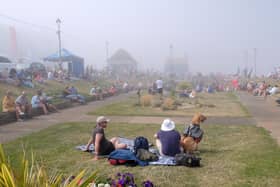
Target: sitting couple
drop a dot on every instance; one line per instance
(169, 141)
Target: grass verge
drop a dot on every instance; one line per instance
(224, 104)
(234, 155)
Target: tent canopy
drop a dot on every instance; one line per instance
(75, 63)
(65, 56)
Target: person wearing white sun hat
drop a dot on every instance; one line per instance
(168, 139)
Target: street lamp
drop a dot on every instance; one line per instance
(58, 22)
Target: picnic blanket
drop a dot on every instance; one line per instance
(128, 142)
(163, 160)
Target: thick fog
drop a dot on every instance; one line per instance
(215, 35)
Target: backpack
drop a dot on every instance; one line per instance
(140, 142)
(194, 131)
(184, 159)
(145, 155)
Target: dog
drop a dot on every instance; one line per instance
(193, 134)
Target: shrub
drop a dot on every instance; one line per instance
(32, 175)
(146, 100)
(156, 102)
(184, 85)
(178, 102)
(173, 93)
(168, 104)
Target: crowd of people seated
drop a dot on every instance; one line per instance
(262, 88)
(22, 107)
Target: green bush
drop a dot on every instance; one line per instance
(168, 104)
(32, 175)
(184, 85)
(156, 102)
(146, 100)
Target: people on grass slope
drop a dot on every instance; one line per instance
(40, 100)
(22, 107)
(71, 93)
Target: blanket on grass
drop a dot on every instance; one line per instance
(163, 160)
(128, 142)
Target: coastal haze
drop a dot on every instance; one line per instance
(214, 35)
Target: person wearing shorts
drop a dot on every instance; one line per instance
(102, 145)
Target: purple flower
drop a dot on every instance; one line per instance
(148, 184)
(121, 182)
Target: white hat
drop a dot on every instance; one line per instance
(101, 119)
(167, 125)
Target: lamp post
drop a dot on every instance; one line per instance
(255, 61)
(58, 22)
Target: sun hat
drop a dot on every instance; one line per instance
(101, 119)
(167, 125)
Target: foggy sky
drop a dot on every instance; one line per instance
(214, 34)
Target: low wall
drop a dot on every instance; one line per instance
(9, 117)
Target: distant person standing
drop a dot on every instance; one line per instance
(159, 84)
(50, 75)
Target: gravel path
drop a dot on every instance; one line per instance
(12, 131)
(266, 112)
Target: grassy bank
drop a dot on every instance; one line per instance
(234, 155)
(218, 104)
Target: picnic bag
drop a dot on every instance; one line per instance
(140, 142)
(114, 161)
(145, 155)
(123, 157)
(185, 159)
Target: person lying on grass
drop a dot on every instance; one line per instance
(102, 146)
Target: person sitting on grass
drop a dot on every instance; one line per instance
(23, 106)
(102, 146)
(36, 102)
(168, 139)
(8, 104)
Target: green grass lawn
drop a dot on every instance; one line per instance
(225, 104)
(234, 155)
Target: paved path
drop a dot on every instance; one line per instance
(266, 112)
(14, 130)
